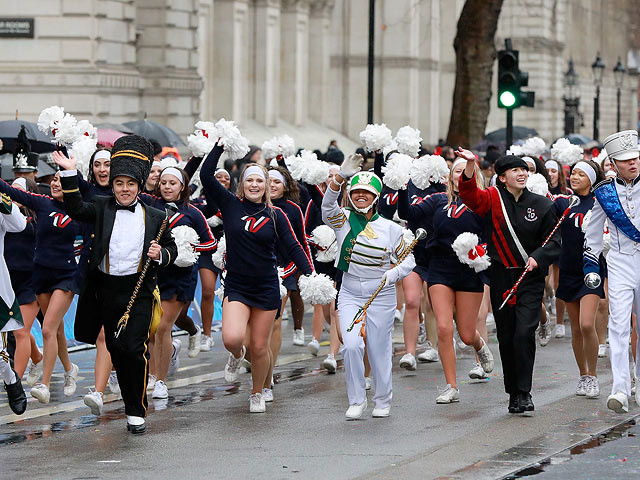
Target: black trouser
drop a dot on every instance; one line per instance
(517, 324)
(130, 351)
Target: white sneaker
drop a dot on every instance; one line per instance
(160, 390)
(298, 337)
(381, 412)
(544, 335)
(367, 383)
(449, 395)
(151, 382)
(194, 343)
(246, 364)
(618, 402)
(206, 344)
(477, 372)
(256, 403)
(112, 383)
(399, 315)
(602, 350)
(592, 389)
(94, 401)
(581, 390)
(408, 362)
(231, 368)
(35, 372)
(422, 336)
(174, 364)
(267, 394)
(41, 393)
(429, 355)
(559, 331)
(330, 364)
(486, 357)
(70, 380)
(314, 347)
(355, 411)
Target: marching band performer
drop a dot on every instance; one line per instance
(368, 245)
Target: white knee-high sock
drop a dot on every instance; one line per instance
(6, 372)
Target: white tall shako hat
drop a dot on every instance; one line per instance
(622, 145)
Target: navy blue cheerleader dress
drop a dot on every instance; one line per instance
(252, 232)
(296, 219)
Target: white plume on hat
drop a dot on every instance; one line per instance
(565, 152)
(375, 137)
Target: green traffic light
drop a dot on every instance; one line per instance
(507, 99)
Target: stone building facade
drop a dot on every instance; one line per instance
(300, 66)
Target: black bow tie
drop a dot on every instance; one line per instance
(131, 208)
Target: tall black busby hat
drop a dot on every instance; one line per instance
(24, 160)
(131, 156)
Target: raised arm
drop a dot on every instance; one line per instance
(192, 165)
(422, 211)
(332, 214)
(287, 237)
(220, 195)
(474, 197)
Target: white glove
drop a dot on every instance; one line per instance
(351, 166)
(391, 276)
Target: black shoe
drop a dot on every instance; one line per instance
(137, 429)
(17, 397)
(514, 403)
(526, 402)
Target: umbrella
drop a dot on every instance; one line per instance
(6, 163)
(500, 135)
(155, 131)
(114, 126)
(40, 142)
(107, 136)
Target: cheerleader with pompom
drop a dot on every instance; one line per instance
(453, 285)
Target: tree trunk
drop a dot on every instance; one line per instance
(475, 54)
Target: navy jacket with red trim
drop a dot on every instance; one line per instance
(530, 220)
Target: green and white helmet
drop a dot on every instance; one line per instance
(365, 181)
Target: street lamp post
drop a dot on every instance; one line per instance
(618, 75)
(597, 68)
(571, 99)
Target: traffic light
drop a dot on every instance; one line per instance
(510, 81)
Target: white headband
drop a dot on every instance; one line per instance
(551, 164)
(458, 160)
(222, 170)
(254, 170)
(275, 174)
(172, 171)
(588, 169)
(611, 173)
(22, 182)
(531, 161)
(156, 163)
(102, 155)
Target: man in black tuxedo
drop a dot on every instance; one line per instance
(125, 236)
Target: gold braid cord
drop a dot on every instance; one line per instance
(122, 323)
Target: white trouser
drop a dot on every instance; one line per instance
(354, 292)
(624, 288)
(6, 374)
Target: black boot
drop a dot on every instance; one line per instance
(17, 397)
(526, 402)
(514, 403)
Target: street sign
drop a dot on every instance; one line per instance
(14, 27)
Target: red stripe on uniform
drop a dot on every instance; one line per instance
(496, 211)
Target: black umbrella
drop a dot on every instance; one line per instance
(500, 135)
(40, 142)
(155, 131)
(115, 126)
(6, 162)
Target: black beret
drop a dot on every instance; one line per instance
(131, 156)
(506, 162)
(334, 155)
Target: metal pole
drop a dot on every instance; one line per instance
(372, 24)
(618, 114)
(596, 114)
(509, 127)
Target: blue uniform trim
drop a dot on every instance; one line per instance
(607, 196)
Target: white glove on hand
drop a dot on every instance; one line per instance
(351, 166)
(391, 276)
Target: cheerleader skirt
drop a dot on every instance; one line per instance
(179, 282)
(256, 292)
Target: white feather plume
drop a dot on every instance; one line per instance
(218, 256)
(214, 221)
(49, 118)
(283, 289)
(397, 170)
(186, 238)
(470, 253)
(230, 137)
(565, 152)
(534, 147)
(317, 289)
(585, 221)
(536, 183)
(324, 238)
(375, 137)
(409, 141)
(515, 150)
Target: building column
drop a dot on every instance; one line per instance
(267, 61)
(319, 60)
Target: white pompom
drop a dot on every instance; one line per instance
(375, 137)
(409, 141)
(220, 291)
(81, 150)
(271, 149)
(279, 147)
(273, 163)
(85, 129)
(214, 221)
(585, 221)
(428, 169)
(66, 131)
(317, 289)
(515, 150)
(199, 144)
(186, 238)
(396, 171)
(534, 147)
(565, 152)
(287, 145)
(233, 142)
(295, 166)
(469, 252)
(408, 236)
(283, 289)
(307, 168)
(324, 238)
(389, 147)
(218, 256)
(49, 118)
(536, 183)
